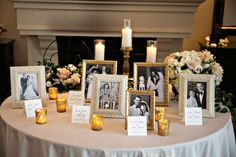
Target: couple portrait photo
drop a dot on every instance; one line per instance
(141, 103)
(28, 86)
(196, 94)
(140, 106)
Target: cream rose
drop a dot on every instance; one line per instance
(191, 64)
(198, 69)
(218, 71)
(48, 84)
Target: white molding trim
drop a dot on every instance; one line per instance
(162, 19)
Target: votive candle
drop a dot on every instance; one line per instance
(41, 115)
(96, 122)
(160, 113)
(163, 127)
(53, 93)
(61, 104)
(99, 49)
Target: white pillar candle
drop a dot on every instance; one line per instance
(151, 54)
(126, 35)
(99, 49)
(151, 51)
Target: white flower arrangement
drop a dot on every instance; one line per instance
(192, 62)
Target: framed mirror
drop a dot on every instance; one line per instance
(223, 17)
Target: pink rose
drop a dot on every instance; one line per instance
(76, 78)
(63, 73)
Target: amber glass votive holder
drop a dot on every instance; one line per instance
(61, 104)
(163, 127)
(52, 93)
(160, 113)
(41, 115)
(96, 122)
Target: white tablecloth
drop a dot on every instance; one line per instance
(22, 137)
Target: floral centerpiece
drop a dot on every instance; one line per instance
(65, 78)
(192, 62)
(200, 62)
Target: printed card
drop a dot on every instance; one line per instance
(31, 106)
(193, 115)
(75, 98)
(137, 126)
(80, 114)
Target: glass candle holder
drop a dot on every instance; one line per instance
(99, 49)
(151, 51)
(41, 115)
(52, 93)
(61, 104)
(160, 113)
(126, 35)
(96, 122)
(163, 127)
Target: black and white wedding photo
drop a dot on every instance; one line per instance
(109, 94)
(152, 77)
(196, 94)
(28, 86)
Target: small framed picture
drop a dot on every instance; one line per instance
(141, 103)
(197, 90)
(91, 67)
(27, 83)
(109, 95)
(152, 77)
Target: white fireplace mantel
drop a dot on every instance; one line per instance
(42, 20)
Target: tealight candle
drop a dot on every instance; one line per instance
(53, 93)
(151, 51)
(160, 113)
(96, 122)
(126, 35)
(41, 115)
(99, 49)
(163, 127)
(61, 104)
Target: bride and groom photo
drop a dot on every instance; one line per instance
(152, 79)
(28, 86)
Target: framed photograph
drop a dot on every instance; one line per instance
(141, 103)
(152, 77)
(27, 83)
(91, 67)
(109, 95)
(197, 90)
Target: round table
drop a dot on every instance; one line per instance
(22, 137)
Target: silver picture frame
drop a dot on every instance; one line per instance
(27, 83)
(109, 95)
(188, 86)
